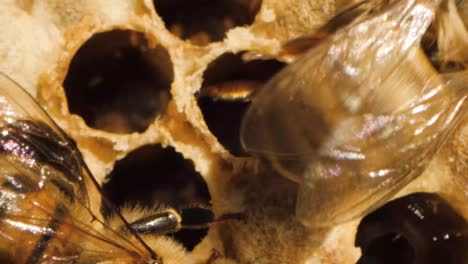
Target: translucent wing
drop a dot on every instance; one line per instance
(46, 193)
(359, 116)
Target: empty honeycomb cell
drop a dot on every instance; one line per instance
(205, 21)
(224, 96)
(119, 81)
(156, 177)
(414, 229)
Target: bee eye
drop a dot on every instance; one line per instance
(119, 82)
(418, 228)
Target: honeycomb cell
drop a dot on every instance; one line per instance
(421, 228)
(119, 82)
(224, 96)
(152, 176)
(205, 21)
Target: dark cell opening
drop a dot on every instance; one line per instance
(420, 228)
(119, 82)
(193, 217)
(6, 259)
(388, 249)
(221, 97)
(153, 176)
(205, 21)
(430, 42)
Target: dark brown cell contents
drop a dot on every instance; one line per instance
(153, 176)
(421, 228)
(224, 96)
(205, 21)
(119, 82)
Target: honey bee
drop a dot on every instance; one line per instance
(48, 208)
(359, 115)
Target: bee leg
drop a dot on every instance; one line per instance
(294, 48)
(290, 50)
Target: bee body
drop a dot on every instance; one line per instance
(49, 202)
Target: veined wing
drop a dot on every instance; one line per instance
(370, 157)
(350, 119)
(46, 192)
(40, 224)
(334, 79)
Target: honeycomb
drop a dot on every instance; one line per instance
(94, 65)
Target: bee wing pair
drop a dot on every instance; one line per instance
(358, 116)
(45, 191)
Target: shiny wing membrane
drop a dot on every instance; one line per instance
(46, 193)
(358, 116)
